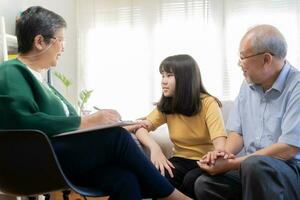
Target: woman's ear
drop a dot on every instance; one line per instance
(38, 42)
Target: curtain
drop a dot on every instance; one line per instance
(122, 42)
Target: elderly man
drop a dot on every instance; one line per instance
(265, 122)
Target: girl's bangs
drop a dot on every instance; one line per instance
(166, 67)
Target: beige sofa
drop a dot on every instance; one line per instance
(161, 135)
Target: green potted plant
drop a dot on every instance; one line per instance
(64, 80)
(84, 95)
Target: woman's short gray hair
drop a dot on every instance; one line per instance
(269, 39)
(35, 21)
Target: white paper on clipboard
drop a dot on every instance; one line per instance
(100, 127)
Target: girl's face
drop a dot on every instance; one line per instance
(168, 84)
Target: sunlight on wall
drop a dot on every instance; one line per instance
(240, 18)
(127, 40)
(194, 38)
(118, 70)
(127, 61)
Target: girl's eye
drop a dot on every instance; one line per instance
(167, 75)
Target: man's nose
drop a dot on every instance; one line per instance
(239, 63)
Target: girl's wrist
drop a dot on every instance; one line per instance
(154, 147)
(220, 149)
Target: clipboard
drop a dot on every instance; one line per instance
(100, 127)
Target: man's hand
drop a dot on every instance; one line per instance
(211, 157)
(221, 166)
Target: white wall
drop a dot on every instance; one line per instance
(10, 9)
(67, 9)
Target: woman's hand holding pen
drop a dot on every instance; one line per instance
(101, 117)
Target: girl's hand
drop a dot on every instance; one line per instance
(133, 128)
(145, 124)
(161, 162)
(211, 157)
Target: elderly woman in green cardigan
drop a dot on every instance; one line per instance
(108, 158)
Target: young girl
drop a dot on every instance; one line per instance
(194, 121)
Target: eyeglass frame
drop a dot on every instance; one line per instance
(257, 54)
(61, 40)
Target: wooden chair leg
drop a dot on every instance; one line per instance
(66, 194)
(47, 196)
(84, 197)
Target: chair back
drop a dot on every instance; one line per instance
(28, 165)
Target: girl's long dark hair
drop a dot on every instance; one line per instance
(189, 86)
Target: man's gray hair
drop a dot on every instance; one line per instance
(267, 38)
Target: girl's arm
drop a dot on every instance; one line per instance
(157, 157)
(215, 125)
(142, 135)
(219, 143)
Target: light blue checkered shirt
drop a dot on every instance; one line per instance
(265, 118)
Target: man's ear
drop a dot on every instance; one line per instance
(268, 59)
(38, 42)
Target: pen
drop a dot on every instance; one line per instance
(96, 108)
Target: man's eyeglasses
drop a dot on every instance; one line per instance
(241, 59)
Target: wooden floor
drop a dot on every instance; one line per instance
(54, 196)
(74, 196)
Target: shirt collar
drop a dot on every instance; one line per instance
(36, 74)
(279, 82)
(281, 79)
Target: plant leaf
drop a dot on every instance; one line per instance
(85, 95)
(66, 82)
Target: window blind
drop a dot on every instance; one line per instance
(122, 42)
